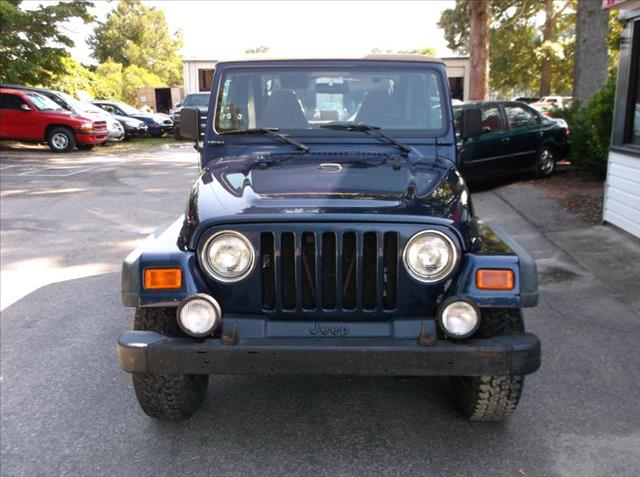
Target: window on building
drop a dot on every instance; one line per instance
(205, 79)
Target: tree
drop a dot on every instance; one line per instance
(136, 35)
(592, 56)
(33, 49)
(479, 35)
(517, 49)
(551, 49)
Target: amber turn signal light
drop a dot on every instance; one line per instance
(495, 279)
(162, 278)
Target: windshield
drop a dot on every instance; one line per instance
(197, 100)
(81, 106)
(43, 103)
(126, 108)
(305, 99)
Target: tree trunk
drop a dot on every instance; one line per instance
(547, 36)
(591, 60)
(479, 49)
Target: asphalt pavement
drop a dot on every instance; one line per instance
(67, 222)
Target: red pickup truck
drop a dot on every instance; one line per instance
(29, 116)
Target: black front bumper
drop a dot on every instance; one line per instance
(146, 351)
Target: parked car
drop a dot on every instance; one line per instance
(515, 138)
(158, 124)
(547, 105)
(28, 116)
(66, 101)
(526, 99)
(348, 247)
(198, 100)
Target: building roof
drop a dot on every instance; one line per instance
(372, 57)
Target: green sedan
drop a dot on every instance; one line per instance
(514, 138)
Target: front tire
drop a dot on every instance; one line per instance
(170, 397)
(176, 134)
(490, 398)
(61, 140)
(545, 163)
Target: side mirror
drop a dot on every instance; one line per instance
(471, 123)
(190, 125)
(25, 107)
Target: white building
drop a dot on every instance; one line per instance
(198, 75)
(622, 188)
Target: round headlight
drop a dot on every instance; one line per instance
(199, 315)
(459, 318)
(228, 256)
(430, 256)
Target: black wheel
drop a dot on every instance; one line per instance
(545, 162)
(61, 140)
(171, 397)
(87, 147)
(490, 398)
(176, 133)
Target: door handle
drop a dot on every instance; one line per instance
(505, 139)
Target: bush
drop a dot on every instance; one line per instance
(590, 125)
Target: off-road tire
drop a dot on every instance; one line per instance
(170, 397)
(545, 162)
(61, 139)
(87, 147)
(490, 398)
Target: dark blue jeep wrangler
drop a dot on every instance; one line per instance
(329, 232)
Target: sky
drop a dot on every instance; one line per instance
(217, 30)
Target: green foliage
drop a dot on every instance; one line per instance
(590, 125)
(32, 46)
(136, 35)
(259, 49)
(427, 51)
(74, 79)
(109, 81)
(134, 78)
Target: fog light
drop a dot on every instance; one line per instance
(459, 318)
(199, 315)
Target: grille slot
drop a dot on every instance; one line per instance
(329, 271)
(308, 271)
(288, 270)
(329, 262)
(390, 273)
(369, 274)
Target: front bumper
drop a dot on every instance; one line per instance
(136, 132)
(146, 351)
(91, 137)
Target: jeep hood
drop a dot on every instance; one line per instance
(299, 187)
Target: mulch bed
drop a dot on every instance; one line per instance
(579, 193)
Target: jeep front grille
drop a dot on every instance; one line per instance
(329, 271)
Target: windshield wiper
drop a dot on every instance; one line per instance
(272, 132)
(366, 128)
